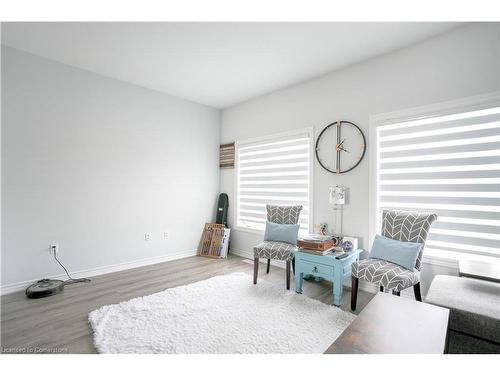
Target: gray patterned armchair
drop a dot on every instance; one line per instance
(401, 226)
(277, 250)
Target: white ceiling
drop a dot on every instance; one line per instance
(217, 64)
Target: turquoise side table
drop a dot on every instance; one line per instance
(326, 267)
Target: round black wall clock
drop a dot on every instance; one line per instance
(340, 147)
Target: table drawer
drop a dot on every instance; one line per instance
(316, 269)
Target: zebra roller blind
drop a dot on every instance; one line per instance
(273, 170)
(448, 165)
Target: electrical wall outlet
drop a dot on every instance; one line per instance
(54, 249)
(148, 236)
(165, 235)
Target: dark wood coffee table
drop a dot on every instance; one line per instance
(479, 270)
(391, 324)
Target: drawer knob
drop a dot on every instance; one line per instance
(315, 269)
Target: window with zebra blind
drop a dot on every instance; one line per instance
(274, 170)
(445, 160)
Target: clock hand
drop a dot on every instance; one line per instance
(340, 146)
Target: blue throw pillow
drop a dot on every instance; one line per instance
(402, 253)
(281, 232)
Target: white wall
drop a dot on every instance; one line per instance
(93, 163)
(457, 64)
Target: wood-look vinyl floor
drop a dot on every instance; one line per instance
(59, 323)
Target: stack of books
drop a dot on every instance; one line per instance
(215, 240)
(316, 244)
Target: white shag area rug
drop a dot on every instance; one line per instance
(224, 314)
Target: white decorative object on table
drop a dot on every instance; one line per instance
(353, 243)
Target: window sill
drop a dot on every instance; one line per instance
(439, 261)
(258, 231)
(249, 230)
(451, 258)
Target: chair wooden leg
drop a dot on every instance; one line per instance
(354, 292)
(396, 293)
(288, 264)
(255, 269)
(381, 288)
(293, 265)
(268, 265)
(416, 291)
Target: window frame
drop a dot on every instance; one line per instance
(239, 143)
(467, 104)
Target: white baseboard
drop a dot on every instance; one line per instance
(249, 255)
(22, 285)
(367, 287)
(242, 253)
(443, 262)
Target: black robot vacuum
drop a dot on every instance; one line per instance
(44, 288)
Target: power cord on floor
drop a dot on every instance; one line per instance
(71, 280)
